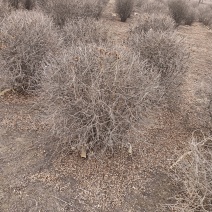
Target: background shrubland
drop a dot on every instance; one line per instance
(94, 92)
(65, 10)
(102, 91)
(27, 38)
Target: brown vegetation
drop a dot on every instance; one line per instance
(94, 93)
(26, 40)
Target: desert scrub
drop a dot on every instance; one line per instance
(168, 54)
(26, 38)
(166, 51)
(124, 8)
(14, 3)
(95, 95)
(205, 15)
(63, 11)
(156, 22)
(155, 7)
(87, 30)
(181, 12)
(193, 171)
(29, 4)
(4, 11)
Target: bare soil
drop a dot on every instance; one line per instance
(32, 179)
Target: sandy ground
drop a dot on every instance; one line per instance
(32, 179)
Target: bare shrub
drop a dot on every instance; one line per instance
(194, 172)
(124, 8)
(164, 50)
(41, 4)
(190, 16)
(26, 40)
(205, 15)
(21, 4)
(138, 3)
(4, 11)
(64, 10)
(87, 30)
(155, 7)
(156, 22)
(61, 11)
(14, 3)
(93, 8)
(178, 9)
(95, 95)
(168, 54)
(29, 4)
(181, 12)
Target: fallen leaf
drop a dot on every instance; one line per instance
(4, 91)
(83, 153)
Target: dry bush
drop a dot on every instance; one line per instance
(41, 4)
(95, 95)
(167, 53)
(138, 3)
(61, 11)
(190, 17)
(181, 12)
(178, 9)
(124, 8)
(4, 11)
(87, 30)
(155, 7)
(27, 38)
(164, 50)
(194, 172)
(64, 10)
(29, 4)
(205, 15)
(93, 8)
(156, 22)
(21, 4)
(14, 3)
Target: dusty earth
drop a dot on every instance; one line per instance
(33, 179)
